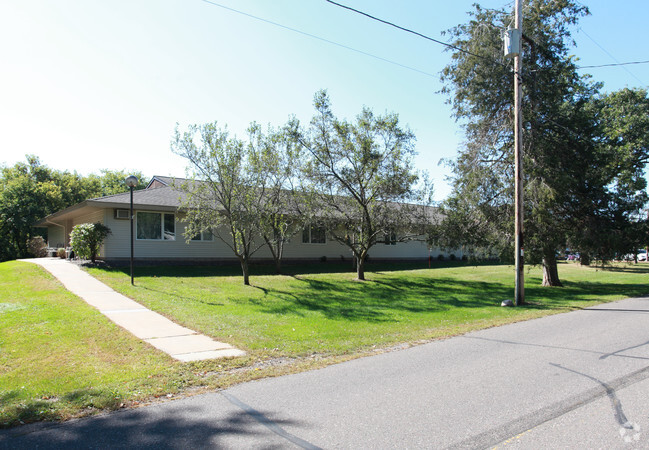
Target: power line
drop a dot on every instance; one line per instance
(615, 64)
(484, 57)
(321, 39)
(618, 63)
(412, 32)
(416, 33)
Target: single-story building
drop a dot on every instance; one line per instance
(159, 232)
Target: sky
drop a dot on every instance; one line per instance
(88, 85)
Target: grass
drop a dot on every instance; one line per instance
(52, 368)
(332, 314)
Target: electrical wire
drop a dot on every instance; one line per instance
(613, 58)
(416, 33)
(615, 64)
(321, 39)
(622, 64)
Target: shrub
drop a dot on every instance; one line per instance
(440, 257)
(86, 238)
(451, 256)
(60, 253)
(37, 246)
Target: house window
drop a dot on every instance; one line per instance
(204, 236)
(391, 238)
(156, 226)
(314, 235)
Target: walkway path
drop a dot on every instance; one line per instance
(179, 342)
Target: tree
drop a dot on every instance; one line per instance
(31, 191)
(112, 181)
(362, 177)
(568, 169)
(27, 193)
(284, 207)
(86, 239)
(226, 200)
(617, 224)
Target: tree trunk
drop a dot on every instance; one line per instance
(278, 257)
(584, 259)
(360, 269)
(276, 253)
(550, 271)
(245, 270)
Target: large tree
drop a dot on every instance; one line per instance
(362, 177)
(568, 171)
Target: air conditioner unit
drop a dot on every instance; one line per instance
(122, 214)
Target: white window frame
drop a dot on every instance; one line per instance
(162, 215)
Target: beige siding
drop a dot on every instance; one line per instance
(93, 217)
(55, 236)
(117, 245)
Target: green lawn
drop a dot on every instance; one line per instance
(332, 314)
(60, 358)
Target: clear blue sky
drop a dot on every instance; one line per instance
(88, 84)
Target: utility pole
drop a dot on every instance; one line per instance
(518, 157)
(513, 49)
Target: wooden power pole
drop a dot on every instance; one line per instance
(518, 157)
(513, 49)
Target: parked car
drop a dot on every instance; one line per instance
(641, 255)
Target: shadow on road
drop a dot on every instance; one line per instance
(170, 426)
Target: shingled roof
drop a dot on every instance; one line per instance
(163, 198)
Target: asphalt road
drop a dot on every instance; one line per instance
(573, 380)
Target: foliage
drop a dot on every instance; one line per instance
(357, 172)
(284, 208)
(226, 201)
(112, 181)
(37, 246)
(581, 180)
(616, 223)
(86, 239)
(31, 191)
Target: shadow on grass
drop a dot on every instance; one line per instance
(290, 269)
(380, 301)
(387, 298)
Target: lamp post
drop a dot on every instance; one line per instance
(131, 182)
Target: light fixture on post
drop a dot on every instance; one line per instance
(131, 182)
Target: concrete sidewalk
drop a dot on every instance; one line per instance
(179, 342)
